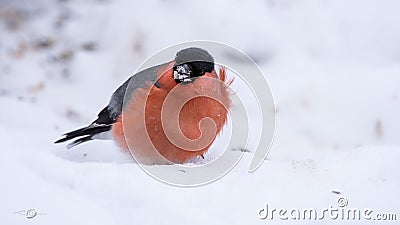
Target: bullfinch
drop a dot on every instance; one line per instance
(134, 118)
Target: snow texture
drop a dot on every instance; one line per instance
(333, 66)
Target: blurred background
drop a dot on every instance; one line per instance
(333, 67)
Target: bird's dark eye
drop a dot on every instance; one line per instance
(200, 68)
(183, 72)
(201, 71)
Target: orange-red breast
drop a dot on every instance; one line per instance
(134, 118)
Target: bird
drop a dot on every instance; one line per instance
(134, 118)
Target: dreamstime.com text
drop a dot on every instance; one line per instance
(339, 212)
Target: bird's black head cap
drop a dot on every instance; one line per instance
(191, 63)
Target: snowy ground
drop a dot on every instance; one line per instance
(334, 71)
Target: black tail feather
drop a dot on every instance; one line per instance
(85, 133)
(71, 135)
(103, 123)
(79, 141)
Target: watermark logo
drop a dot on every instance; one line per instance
(339, 212)
(29, 213)
(243, 70)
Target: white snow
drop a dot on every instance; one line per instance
(333, 66)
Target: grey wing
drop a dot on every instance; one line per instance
(125, 91)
